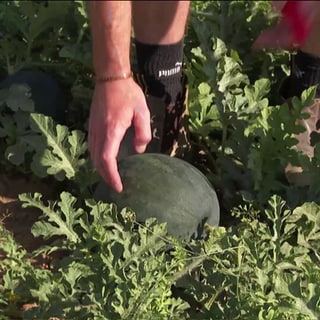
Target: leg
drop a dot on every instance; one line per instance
(312, 45)
(159, 28)
(160, 22)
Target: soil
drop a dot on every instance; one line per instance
(16, 219)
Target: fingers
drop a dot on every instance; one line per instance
(103, 148)
(104, 157)
(141, 122)
(111, 115)
(108, 163)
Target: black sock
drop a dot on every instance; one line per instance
(305, 73)
(161, 67)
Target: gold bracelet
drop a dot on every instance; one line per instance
(123, 76)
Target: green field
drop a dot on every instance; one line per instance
(262, 263)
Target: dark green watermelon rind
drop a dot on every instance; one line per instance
(161, 204)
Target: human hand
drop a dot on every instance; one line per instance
(115, 106)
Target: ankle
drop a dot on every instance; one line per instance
(161, 67)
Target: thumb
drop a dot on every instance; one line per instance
(142, 126)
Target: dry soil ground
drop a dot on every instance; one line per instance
(15, 218)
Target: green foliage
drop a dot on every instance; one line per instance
(250, 140)
(53, 37)
(111, 271)
(267, 266)
(32, 22)
(54, 150)
(60, 151)
(258, 268)
(237, 24)
(114, 268)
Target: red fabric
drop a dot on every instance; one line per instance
(299, 24)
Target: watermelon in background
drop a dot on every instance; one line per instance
(42, 88)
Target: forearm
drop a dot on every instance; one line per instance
(111, 33)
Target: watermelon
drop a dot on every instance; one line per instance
(167, 188)
(46, 92)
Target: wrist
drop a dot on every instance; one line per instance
(110, 61)
(111, 77)
(109, 67)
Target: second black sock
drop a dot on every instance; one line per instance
(305, 73)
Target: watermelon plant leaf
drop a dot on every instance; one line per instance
(61, 153)
(60, 222)
(77, 53)
(19, 98)
(16, 153)
(308, 95)
(307, 220)
(41, 17)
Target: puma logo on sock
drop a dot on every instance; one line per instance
(170, 72)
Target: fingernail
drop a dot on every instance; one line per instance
(140, 148)
(119, 188)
